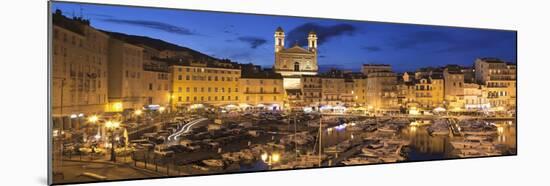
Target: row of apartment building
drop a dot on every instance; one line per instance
(96, 71)
(489, 84)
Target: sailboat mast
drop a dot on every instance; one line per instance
(295, 141)
(320, 137)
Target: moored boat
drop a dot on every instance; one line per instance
(213, 162)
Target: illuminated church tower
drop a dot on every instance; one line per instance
(295, 61)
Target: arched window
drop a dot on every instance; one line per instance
(296, 66)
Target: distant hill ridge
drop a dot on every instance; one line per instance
(160, 45)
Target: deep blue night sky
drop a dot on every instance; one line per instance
(342, 44)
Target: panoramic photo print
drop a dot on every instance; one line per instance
(138, 92)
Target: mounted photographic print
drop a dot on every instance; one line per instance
(141, 92)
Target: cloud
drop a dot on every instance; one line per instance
(230, 29)
(418, 38)
(153, 25)
(324, 33)
(254, 42)
(371, 48)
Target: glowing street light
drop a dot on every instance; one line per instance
(117, 107)
(112, 126)
(270, 159)
(275, 157)
(264, 157)
(93, 119)
(138, 112)
(161, 109)
(109, 124)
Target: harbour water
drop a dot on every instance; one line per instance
(424, 146)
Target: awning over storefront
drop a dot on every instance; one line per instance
(196, 106)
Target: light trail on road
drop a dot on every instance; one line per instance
(185, 129)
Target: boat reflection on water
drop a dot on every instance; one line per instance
(423, 146)
(506, 131)
(434, 147)
(426, 146)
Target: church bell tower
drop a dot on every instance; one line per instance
(279, 39)
(312, 41)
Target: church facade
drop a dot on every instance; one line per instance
(294, 62)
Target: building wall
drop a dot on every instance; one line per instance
(429, 93)
(332, 91)
(285, 63)
(360, 91)
(454, 83)
(381, 90)
(79, 71)
(500, 80)
(475, 96)
(454, 88)
(201, 84)
(347, 95)
(264, 91)
(406, 95)
(125, 76)
(156, 88)
(312, 90)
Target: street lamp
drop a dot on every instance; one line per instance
(270, 158)
(138, 112)
(93, 118)
(161, 111)
(111, 127)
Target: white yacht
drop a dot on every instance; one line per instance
(388, 129)
(465, 144)
(213, 162)
(368, 152)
